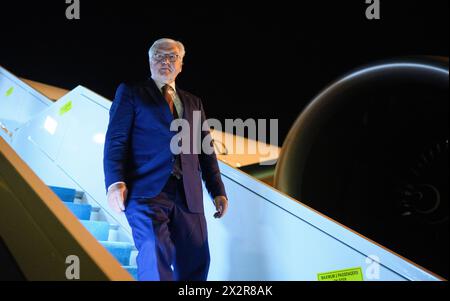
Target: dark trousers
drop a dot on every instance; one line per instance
(172, 242)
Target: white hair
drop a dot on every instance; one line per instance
(156, 44)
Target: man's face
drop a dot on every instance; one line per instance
(166, 63)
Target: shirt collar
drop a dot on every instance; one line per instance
(160, 85)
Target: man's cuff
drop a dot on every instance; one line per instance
(220, 195)
(115, 184)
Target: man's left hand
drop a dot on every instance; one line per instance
(221, 204)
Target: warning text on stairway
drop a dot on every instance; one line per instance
(354, 274)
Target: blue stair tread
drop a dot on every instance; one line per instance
(120, 250)
(132, 269)
(81, 211)
(99, 229)
(65, 194)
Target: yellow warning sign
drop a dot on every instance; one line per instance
(353, 274)
(65, 108)
(9, 91)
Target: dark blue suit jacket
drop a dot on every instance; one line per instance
(137, 145)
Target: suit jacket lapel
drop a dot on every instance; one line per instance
(187, 110)
(188, 114)
(158, 98)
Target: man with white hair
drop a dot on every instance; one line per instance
(159, 190)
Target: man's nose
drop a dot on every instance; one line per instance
(165, 60)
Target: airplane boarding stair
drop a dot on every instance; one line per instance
(57, 147)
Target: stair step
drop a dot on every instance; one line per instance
(120, 250)
(95, 213)
(65, 194)
(132, 269)
(79, 195)
(99, 229)
(81, 211)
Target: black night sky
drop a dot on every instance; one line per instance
(247, 60)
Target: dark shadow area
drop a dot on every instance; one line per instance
(9, 270)
(245, 60)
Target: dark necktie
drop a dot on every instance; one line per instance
(166, 89)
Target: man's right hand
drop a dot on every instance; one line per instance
(117, 195)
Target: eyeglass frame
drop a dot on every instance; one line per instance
(165, 56)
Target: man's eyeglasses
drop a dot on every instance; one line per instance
(159, 57)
